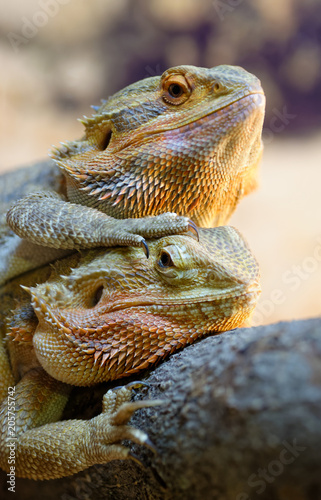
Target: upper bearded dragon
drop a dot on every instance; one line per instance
(181, 146)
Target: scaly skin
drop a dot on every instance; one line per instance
(101, 316)
(187, 142)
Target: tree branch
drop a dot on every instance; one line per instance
(242, 420)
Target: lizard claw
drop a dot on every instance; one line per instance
(135, 458)
(145, 248)
(150, 445)
(193, 228)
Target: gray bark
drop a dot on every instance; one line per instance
(242, 420)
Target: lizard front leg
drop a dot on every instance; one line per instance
(45, 218)
(51, 450)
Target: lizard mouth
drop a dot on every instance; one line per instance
(67, 321)
(257, 98)
(235, 292)
(250, 103)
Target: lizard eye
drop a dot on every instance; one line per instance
(176, 89)
(165, 260)
(170, 263)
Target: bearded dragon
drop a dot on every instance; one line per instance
(181, 146)
(99, 316)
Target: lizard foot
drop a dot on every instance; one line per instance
(38, 218)
(63, 448)
(134, 231)
(110, 427)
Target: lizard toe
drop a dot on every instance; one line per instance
(126, 410)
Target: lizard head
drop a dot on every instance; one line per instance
(116, 312)
(188, 142)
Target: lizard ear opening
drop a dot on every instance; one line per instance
(105, 141)
(97, 296)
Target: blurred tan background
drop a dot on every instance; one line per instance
(60, 56)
